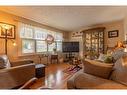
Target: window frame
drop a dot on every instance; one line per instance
(36, 46)
(34, 39)
(33, 47)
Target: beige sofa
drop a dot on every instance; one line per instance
(18, 74)
(97, 75)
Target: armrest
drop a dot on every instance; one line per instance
(29, 83)
(16, 76)
(21, 62)
(98, 69)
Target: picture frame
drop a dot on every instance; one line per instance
(10, 30)
(113, 33)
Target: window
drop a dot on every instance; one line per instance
(51, 47)
(26, 31)
(40, 34)
(59, 46)
(33, 39)
(41, 46)
(59, 37)
(28, 46)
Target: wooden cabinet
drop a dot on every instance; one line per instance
(93, 42)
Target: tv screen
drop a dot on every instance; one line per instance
(70, 46)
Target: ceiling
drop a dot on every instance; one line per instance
(68, 18)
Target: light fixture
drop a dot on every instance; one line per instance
(13, 42)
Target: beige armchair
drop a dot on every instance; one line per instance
(16, 75)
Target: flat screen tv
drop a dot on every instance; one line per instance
(70, 47)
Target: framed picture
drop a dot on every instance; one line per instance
(112, 34)
(7, 29)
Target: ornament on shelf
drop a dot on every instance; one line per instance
(77, 34)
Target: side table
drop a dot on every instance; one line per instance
(40, 70)
(42, 56)
(54, 57)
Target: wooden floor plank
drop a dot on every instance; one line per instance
(55, 78)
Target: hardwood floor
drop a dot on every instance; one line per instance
(55, 77)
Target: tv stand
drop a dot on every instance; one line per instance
(69, 57)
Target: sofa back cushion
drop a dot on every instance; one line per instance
(97, 68)
(4, 62)
(120, 71)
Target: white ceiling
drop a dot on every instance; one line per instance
(68, 18)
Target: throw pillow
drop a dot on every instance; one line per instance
(118, 54)
(108, 59)
(6, 61)
(101, 57)
(120, 71)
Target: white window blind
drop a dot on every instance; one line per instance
(59, 37)
(41, 46)
(26, 31)
(40, 33)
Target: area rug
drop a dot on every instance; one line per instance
(72, 70)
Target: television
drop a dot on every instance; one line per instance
(68, 47)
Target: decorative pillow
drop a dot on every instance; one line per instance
(118, 54)
(101, 57)
(108, 59)
(6, 61)
(120, 71)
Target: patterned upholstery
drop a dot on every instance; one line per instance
(2, 65)
(120, 71)
(118, 54)
(4, 61)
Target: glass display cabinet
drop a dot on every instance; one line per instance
(93, 42)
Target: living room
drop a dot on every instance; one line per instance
(48, 51)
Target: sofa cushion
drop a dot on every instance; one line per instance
(87, 81)
(6, 62)
(120, 71)
(97, 68)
